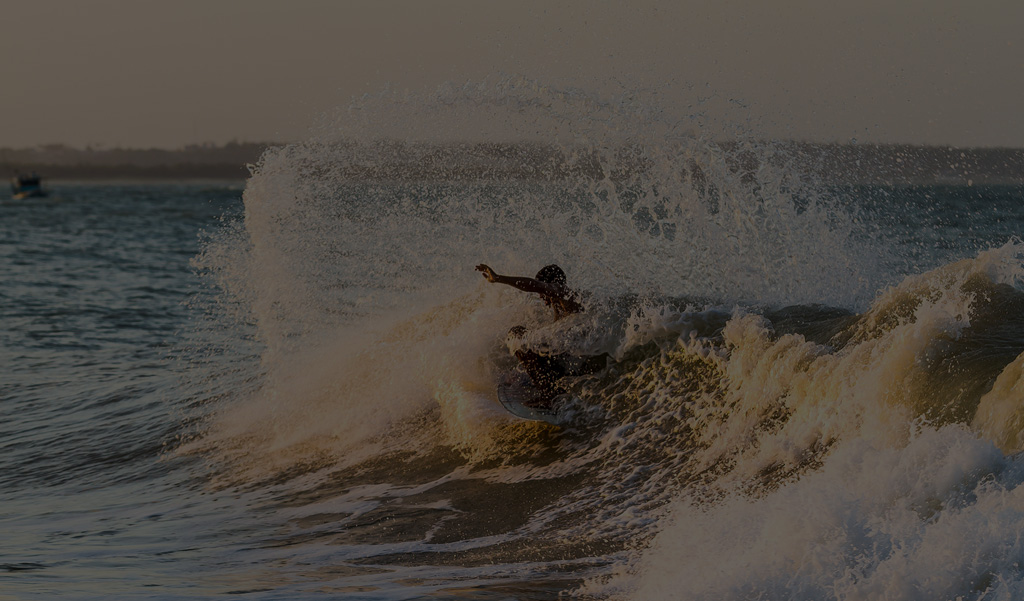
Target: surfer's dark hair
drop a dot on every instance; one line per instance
(551, 274)
(516, 332)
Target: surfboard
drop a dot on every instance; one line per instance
(518, 396)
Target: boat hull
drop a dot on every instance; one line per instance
(23, 194)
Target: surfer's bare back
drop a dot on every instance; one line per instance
(549, 283)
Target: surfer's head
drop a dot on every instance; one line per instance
(551, 274)
(516, 333)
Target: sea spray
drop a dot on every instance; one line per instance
(354, 230)
(768, 352)
(1000, 414)
(922, 521)
(844, 471)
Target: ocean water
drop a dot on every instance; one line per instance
(286, 389)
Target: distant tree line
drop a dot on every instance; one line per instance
(206, 161)
(393, 159)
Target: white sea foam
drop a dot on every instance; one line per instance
(757, 461)
(330, 263)
(854, 494)
(937, 518)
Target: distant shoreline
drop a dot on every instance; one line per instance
(839, 164)
(56, 162)
(94, 173)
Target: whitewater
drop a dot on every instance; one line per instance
(287, 390)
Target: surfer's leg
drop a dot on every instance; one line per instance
(544, 372)
(583, 365)
(594, 363)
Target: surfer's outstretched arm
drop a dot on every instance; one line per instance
(549, 284)
(521, 283)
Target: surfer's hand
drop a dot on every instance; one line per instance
(488, 272)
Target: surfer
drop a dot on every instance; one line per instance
(549, 283)
(546, 370)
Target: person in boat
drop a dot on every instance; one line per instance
(547, 370)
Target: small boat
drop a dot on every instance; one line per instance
(26, 186)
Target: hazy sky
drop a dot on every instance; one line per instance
(146, 73)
